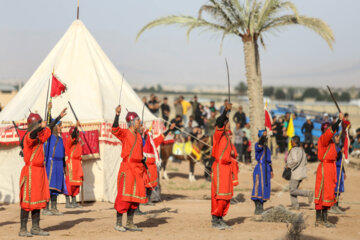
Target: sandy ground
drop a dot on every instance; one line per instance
(185, 212)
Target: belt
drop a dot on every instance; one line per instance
(31, 164)
(56, 159)
(328, 161)
(126, 159)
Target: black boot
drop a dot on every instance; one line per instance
(336, 210)
(138, 212)
(119, 227)
(36, 230)
(261, 207)
(47, 211)
(148, 196)
(54, 209)
(215, 223)
(325, 220)
(68, 204)
(24, 216)
(130, 222)
(222, 223)
(74, 203)
(319, 219)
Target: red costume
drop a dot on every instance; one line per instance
(130, 183)
(235, 171)
(34, 186)
(74, 171)
(326, 171)
(222, 178)
(152, 155)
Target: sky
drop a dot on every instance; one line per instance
(294, 57)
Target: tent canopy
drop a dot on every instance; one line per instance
(93, 83)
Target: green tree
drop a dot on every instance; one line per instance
(345, 97)
(290, 94)
(247, 20)
(269, 91)
(241, 88)
(312, 93)
(280, 94)
(159, 88)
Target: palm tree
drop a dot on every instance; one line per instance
(249, 20)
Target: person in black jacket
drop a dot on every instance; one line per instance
(240, 117)
(307, 130)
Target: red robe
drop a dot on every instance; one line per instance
(74, 170)
(326, 171)
(222, 179)
(235, 171)
(130, 183)
(34, 186)
(151, 154)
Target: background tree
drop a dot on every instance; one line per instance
(241, 88)
(280, 94)
(345, 97)
(247, 20)
(269, 91)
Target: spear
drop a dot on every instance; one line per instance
(122, 81)
(47, 98)
(333, 98)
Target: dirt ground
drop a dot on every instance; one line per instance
(185, 212)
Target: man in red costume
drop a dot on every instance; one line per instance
(74, 172)
(34, 186)
(130, 184)
(222, 183)
(152, 159)
(326, 173)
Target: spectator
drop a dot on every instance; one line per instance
(185, 106)
(247, 150)
(325, 118)
(345, 123)
(311, 152)
(178, 108)
(358, 133)
(280, 138)
(296, 161)
(273, 145)
(194, 106)
(212, 106)
(223, 106)
(154, 105)
(240, 117)
(238, 141)
(356, 148)
(178, 121)
(210, 126)
(307, 130)
(165, 110)
(246, 129)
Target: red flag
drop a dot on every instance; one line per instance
(346, 145)
(57, 87)
(268, 121)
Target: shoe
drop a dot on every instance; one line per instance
(222, 223)
(119, 227)
(68, 204)
(138, 212)
(36, 230)
(74, 203)
(215, 223)
(56, 212)
(319, 220)
(23, 227)
(325, 220)
(46, 211)
(130, 222)
(295, 208)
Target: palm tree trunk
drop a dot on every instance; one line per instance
(255, 91)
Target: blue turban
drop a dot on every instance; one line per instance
(261, 132)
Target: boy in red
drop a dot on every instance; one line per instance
(326, 173)
(222, 183)
(74, 171)
(34, 186)
(130, 184)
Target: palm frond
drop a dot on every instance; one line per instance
(315, 24)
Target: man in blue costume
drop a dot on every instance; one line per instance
(55, 164)
(340, 175)
(262, 173)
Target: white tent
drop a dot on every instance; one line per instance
(93, 85)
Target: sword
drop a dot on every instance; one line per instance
(122, 81)
(228, 77)
(333, 98)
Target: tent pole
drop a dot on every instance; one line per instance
(78, 11)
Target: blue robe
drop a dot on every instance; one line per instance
(54, 163)
(261, 179)
(339, 159)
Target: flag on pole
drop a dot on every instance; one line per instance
(290, 132)
(346, 145)
(268, 121)
(57, 87)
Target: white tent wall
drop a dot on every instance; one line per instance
(11, 164)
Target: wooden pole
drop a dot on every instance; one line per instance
(78, 11)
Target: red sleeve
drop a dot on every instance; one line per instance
(158, 140)
(42, 136)
(325, 138)
(119, 133)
